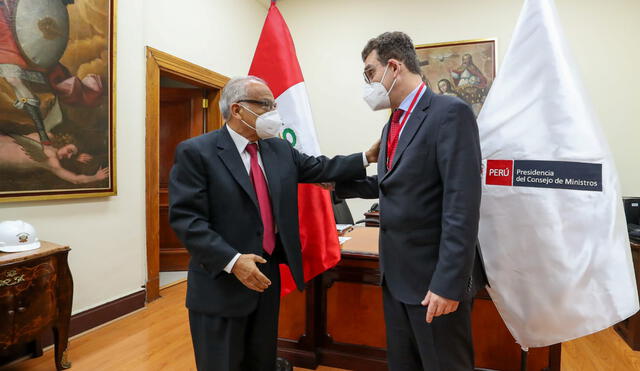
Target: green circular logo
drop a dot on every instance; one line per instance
(290, 136)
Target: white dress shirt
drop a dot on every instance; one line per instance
(241, 144)
(407, 102)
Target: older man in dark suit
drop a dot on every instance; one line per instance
(234, 205)
(429, 187)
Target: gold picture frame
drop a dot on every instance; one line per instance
(79, 159)
(465, 69)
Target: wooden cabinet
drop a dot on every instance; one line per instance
(36, 291)
(338, 321)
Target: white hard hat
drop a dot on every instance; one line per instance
(16, 236)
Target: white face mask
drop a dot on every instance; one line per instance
(268, 125)
(376, 95)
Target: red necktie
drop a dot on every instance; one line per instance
(394, 134)
(264, 201)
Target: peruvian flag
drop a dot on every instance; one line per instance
(275, 62)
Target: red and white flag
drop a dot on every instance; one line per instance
(275, 62)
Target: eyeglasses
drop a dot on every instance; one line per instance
(369, 73)
(267, 105)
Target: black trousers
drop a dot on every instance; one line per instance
(413, 344)
(241, 343)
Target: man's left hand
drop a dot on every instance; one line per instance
(329, 186)
(372, 153)
(438, 306)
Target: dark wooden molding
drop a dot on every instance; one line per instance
(94, 317)
(82, 322)
(107, 312)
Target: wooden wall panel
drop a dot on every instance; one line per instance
(355, 314)
(292, 324)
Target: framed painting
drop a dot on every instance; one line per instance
(57, 99)
(465, 69)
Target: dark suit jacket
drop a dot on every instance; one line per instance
(214, 211)
(429, 203)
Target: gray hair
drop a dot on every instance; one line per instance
(233, 91)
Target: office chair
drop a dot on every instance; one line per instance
(342, 213)
(341, 210)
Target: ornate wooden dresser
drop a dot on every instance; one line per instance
(36, 291)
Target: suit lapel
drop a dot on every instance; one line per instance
(270, 163)
(382, 156)
(231, 158)
(411, 128)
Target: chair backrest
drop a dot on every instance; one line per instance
(341, 210)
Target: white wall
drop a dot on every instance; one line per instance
(330, 35)
(107, 235)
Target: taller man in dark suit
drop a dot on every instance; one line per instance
(234, 205)
(429, 187)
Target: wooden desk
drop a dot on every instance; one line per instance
(629, 329)
(36, 291)
(338, 320)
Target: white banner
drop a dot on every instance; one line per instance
(552, 227)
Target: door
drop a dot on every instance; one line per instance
(182, 116)
(167, 71)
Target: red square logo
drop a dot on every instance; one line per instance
(499, 172)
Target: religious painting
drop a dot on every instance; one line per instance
(56, 99)
(465, 69)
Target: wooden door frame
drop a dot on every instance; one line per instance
(160, 62)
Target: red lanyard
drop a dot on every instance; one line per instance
(413, 103)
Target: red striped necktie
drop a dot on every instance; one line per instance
(264, 200)
(394, 134)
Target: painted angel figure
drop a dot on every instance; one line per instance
(19, 151)
(445, 87)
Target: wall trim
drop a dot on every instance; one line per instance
(83, 322)
(104, 313)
